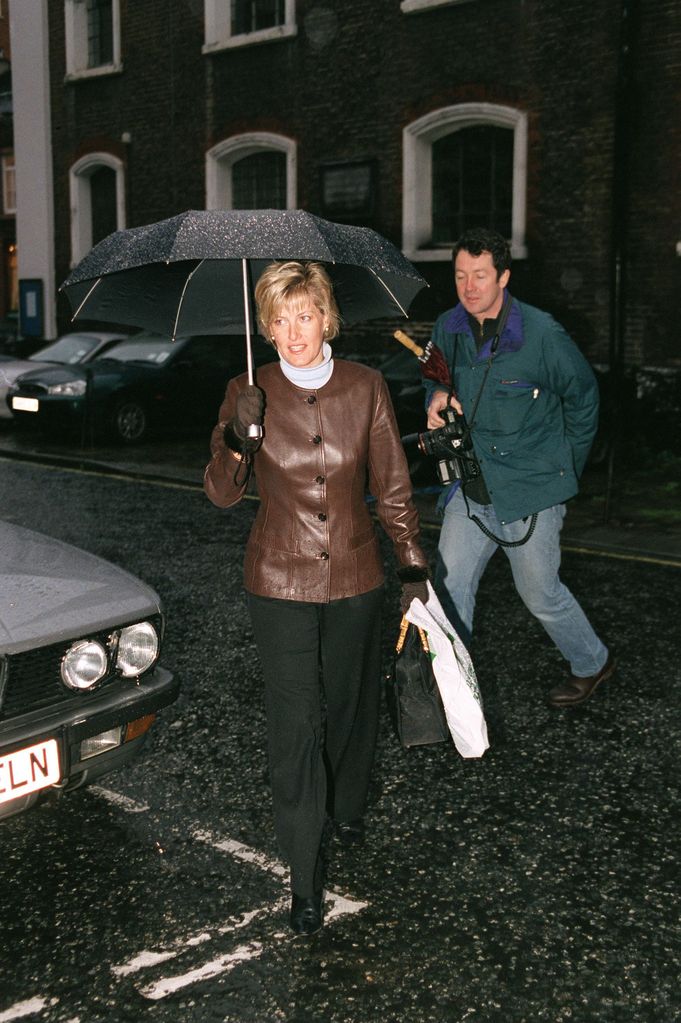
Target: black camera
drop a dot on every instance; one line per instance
(452, 448)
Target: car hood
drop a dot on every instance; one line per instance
(9, 371)
(101, 371)
(51, 591)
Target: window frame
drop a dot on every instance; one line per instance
(218, 28)
(364, 213)
(81, 200)
(417, 200)
(9, 172)
(221, 157)
(75, 25)
(415, 6)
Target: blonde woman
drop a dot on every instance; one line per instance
(313, 570)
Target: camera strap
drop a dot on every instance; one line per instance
(501, 326)
(492, 536)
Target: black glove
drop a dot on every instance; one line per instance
(411, 590)
(250, 406)
(414, 584)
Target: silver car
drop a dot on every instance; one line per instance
(68, 350)
(80, 680)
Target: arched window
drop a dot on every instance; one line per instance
(250, 172)
(97, 201)
(464, 166)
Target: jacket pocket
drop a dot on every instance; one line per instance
(361, 539)
(269, 540)
(512, 402)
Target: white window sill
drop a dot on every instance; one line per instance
(266, 35)
(445, 254)
(93, 72)
(429, 255)
(413, 6)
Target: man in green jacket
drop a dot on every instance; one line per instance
(531, 401)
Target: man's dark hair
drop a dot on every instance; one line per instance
(478, 240)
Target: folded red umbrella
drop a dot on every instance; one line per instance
(433, 363)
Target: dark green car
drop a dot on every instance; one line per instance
(142, 385)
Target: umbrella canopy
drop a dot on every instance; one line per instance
(188, 274)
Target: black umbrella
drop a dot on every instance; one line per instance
(194, 273)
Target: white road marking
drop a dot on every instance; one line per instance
(336, 905)
(243, 852)
(145, 959)
(169, 985)
(339, 906)
(30, 1007)
(119, 800)
(342, 905)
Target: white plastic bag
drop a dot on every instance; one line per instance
(455, 676)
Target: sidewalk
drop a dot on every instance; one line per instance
(182, 461)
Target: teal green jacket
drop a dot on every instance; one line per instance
(538, 410)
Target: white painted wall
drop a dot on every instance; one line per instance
(33, 150)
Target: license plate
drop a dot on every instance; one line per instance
(27, 770)
(25, 404)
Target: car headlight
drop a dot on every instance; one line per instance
(69, 389)
(138, 647)
(84, 664)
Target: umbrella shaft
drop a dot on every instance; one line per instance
(247, 320)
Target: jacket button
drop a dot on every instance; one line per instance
(324, 556)
(311, 399)
(316, 439)
(322, 517)
(319, 479)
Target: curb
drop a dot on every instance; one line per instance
(573, 542)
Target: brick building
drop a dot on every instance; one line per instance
(556, 121)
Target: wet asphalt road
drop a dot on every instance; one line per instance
(539, 883)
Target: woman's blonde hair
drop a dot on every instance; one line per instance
(296, 283)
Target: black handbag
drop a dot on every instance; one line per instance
(413, 697)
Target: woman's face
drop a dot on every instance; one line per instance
(298, 333)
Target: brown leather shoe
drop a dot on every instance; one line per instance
(576, 690)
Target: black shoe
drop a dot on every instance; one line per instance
(350, 832)
(576, 690)
(306, 914)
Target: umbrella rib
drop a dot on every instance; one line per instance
(397, 303)
(98, 281)
(184, 290)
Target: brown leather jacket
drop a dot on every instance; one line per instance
(313, 538)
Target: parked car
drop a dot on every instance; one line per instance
(68, 350)
(80, 679)
(402, 372)
(142, 384)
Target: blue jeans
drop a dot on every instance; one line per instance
(464, 552)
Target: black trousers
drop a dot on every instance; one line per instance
(318, 762)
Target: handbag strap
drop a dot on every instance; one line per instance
(404, 627)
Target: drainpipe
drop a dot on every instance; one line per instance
(624, 97)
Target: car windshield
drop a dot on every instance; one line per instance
(146, 349)
(68, 350)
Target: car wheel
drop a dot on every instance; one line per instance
(130, 422)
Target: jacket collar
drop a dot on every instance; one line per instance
(512, 339)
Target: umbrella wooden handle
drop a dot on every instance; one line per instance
(405, 340)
